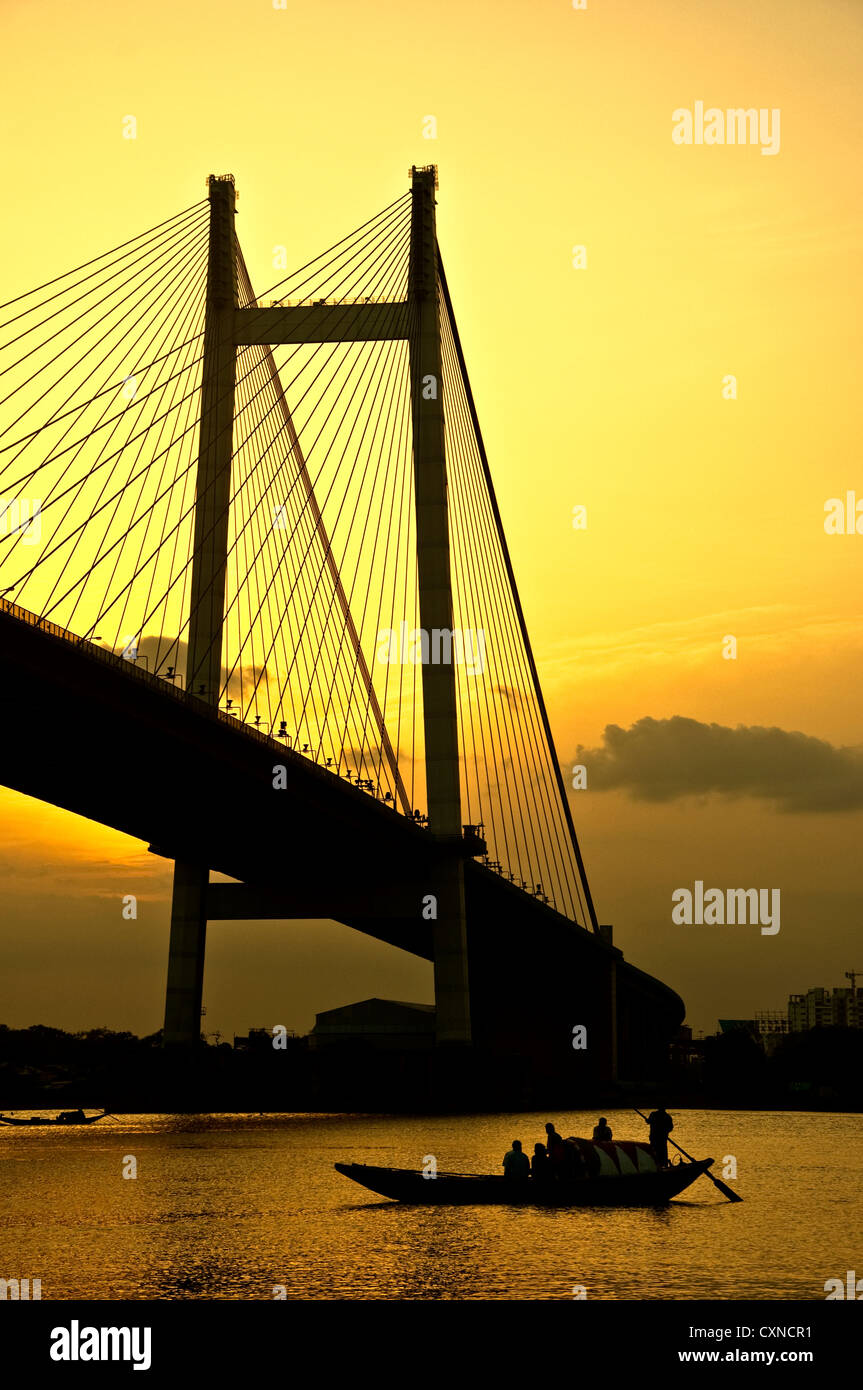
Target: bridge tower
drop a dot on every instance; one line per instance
(204, 656)
(227, 327)
(440, 716)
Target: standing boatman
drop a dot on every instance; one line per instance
(661, 1125)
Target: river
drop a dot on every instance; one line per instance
(245, 1206)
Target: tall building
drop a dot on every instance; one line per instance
(823, 1008)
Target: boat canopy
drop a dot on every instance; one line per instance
(615, 1158)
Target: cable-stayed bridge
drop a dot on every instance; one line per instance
(258, 610)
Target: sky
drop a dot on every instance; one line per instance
(602, 385)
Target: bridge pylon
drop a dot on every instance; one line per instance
(226, 328)
(207, 600)
(440, 712)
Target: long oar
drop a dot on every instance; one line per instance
(726, 1191)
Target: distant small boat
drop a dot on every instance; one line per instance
(66, 1117)
(626, 1179)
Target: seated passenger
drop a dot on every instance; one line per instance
(573, 1161)
(516, 1165)
(539, 1167)
(602, 1131)
(554, 1147)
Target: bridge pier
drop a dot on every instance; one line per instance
(452, 997)
(186, 954)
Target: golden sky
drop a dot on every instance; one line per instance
(599, 386)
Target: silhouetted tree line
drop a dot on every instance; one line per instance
(42, 1068)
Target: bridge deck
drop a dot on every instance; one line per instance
(103, 738)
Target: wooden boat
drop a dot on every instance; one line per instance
(66, 1117)
(626, 1185)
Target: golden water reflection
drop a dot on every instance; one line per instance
(237, 1207)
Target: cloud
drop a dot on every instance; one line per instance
(163, 652)
(666, 759)
(781, 630)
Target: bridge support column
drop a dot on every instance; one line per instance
(440, 718)
(186, 955)
(612, 1019)
(606, 931)
(207, 599)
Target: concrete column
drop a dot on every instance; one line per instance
(606, 931)
(440, 718)
(612, 1018)
(186, 954)
(204, 657)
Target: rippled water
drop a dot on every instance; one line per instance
(232, 1206)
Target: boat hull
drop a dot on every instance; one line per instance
(462, 1189)
(36, 1121)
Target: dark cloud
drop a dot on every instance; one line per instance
(665, 759)
(163, 652)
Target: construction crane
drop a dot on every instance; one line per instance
(852, 976)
